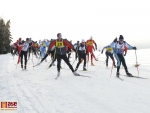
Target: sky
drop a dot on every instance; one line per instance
(80, 19)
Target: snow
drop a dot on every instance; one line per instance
(37, 91)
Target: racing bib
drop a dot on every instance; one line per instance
(109, 49)
(59, 44)
(90, 42)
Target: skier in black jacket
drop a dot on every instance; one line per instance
(82, 52)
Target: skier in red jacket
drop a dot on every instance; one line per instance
(60, 45)
(90, 48)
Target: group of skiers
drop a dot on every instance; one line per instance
(59, 49)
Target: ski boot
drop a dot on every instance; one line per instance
(25, 67)
(76, 74)
(115, 66)
(106, 65)
(84, 69)
(96, 59)
(58, 74)
(21, 66)
(50, 66)
(76, 69)
(92, 64)
(129, 74)
(117, 74)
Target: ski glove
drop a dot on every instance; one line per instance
(102, 52)
(134, 48)
(115, 40)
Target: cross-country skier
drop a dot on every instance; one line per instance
(118, 47)
(69, 51)
(76, 45)
(60, 45)
(109, 53)
(42, 51)
(31, 44)
(24, 53)
(90, 48)
(82, 52)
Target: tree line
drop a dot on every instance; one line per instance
(5, 36)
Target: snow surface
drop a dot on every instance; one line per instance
(37, 91)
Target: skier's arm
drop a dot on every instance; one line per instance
(86, 50)
(129, 46)
(103, 49)
(95, 44)
(51, 45)
(48, 53)
(67, 43)
(113, 46)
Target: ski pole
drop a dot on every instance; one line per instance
(48, 62)
(136, 65)
(87, 61)
(32, 61)
(98, 55)
(73, 62)
(111, 69)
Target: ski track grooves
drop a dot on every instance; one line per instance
(22, 88)
(85, 97)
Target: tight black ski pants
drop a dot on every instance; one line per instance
(23, 54)
(120, 59)
(64, 57)
(108, 54)
(81, 56)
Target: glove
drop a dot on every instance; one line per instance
(134, 48)
(96, 48)
(124, 54)
(115, 40)
(102, 52)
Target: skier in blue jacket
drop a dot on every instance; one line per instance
(42, 51)
(118, 47)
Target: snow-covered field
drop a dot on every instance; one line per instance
(37, 91)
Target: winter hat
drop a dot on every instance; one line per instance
(27, 39)
(121, 37)
(82, 40)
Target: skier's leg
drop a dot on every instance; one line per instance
(124, 63)
(21, 55)
(25, 58)
(29, 51)
(111, 56)
(93, 56)
(84, 66)
(58, 62)
(78, 63)
(117, 56)
(107, 57)
(64, 57)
